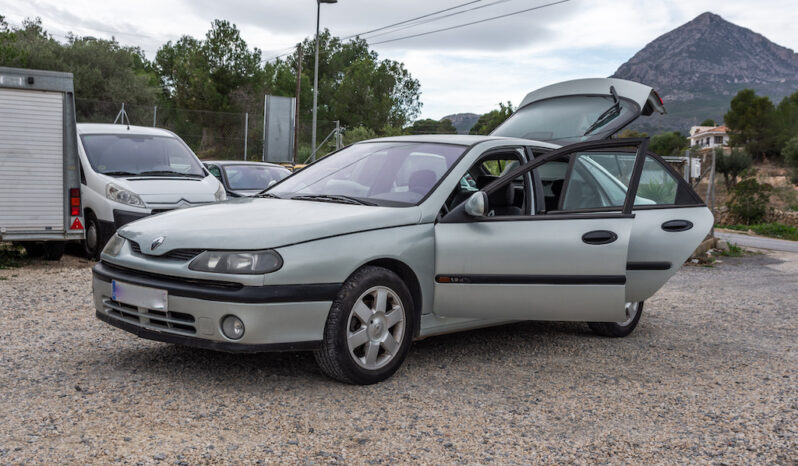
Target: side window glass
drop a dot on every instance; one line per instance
(215, 171)
(657, 185)
(552, 178)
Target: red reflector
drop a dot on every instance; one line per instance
(75, 201)
(659, 98)
(75, 211)
(444, 280)
(74, 192)
(76, 225)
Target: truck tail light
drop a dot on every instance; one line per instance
(74, 202)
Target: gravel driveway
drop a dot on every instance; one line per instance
(710, 375)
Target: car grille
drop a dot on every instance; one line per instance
(178, 323)
(174, 254)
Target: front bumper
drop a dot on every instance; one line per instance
(275, 317)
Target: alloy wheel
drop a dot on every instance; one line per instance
(376, 328)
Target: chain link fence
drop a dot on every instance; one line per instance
(211, 135)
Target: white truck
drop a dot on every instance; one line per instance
(40, 203)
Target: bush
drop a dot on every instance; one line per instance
(731, 165)
(661, 193)
(749, 200)
(790, 154)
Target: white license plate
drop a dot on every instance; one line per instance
(141, 296)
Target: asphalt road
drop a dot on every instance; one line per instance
(710, 376)
(758, 241)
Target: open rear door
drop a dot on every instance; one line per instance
(580, 110)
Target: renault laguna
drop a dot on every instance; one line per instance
(400, 238)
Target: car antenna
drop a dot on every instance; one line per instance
(122, 116)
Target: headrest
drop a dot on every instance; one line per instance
(422, 181)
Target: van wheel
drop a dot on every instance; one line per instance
(369, 329)
(620, 329)
(54, 250)
(91, 245)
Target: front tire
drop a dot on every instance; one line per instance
(620, 329)
(369, 329)
(91, 245)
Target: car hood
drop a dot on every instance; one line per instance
(170, 189)
(260, 223)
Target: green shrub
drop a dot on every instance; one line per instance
(749, 200)
(661, 193)
(731, 165)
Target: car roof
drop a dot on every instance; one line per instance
(105, 128)
(462, 139)
(241, 162)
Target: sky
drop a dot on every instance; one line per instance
(466, 69)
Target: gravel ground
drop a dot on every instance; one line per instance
(709, 376)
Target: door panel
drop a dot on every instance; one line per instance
(652, 247)
(537, 268)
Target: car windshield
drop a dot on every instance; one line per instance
(250, 177)
(384, 173)
(129, 154)
(568, 119)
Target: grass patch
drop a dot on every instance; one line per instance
(733, 251)
(773, 230)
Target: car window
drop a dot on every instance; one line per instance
(139, 154)
(214, 171)
(510, 201)
(387, 173)
(252, 177)
(657, 185)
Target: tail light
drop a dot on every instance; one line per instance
(74, 202)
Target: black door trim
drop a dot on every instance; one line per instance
(531, 279)
(648, 265)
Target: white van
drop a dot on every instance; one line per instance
(130, 172)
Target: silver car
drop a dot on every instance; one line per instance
(401, 238)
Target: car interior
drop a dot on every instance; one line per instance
(510, 200)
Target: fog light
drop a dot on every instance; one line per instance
(232, 327)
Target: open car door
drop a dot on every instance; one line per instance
(580, 110)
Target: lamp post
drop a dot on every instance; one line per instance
(316, 79)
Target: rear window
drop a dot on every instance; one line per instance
(568, 119)
(128, 154)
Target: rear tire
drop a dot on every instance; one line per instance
(620, 329)
(369, 329)
(92, 243)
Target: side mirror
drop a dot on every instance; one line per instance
(477, 204)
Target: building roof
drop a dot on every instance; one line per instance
(708, 130)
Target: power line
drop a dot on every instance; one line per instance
(413, 19)
(469, 24)
(419, 23)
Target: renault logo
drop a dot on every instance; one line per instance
(157, 242)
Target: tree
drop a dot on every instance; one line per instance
(787, 119)
(632, 134)
(790, 154)
(355, 86)
(752, 121)
(668, 144)
(731, 165)
(430, 126)
(489, 121)
(708, 122)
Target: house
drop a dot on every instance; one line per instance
(709, 137)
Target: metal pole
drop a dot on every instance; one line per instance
(315, 87)
(337, 134)
(154, 115)
(711, 193)
(296, 112)
(246, 133)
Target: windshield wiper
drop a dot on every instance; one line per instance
(331, 198)
(119, 173)
(272, 195)
(608, 115)
(169, 173)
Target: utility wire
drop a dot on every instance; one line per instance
(413, 19)
(419, 23)
(469, 24)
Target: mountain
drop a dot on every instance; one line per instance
(463, 122)
(700, 66)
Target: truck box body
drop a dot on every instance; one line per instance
(39, 167)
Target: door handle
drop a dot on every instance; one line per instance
(599, 237)
(677, 225)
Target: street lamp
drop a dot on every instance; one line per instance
(316, 79)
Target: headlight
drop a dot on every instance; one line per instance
(114, 245)
(220, 194)
(244, 262)
(115, 193)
